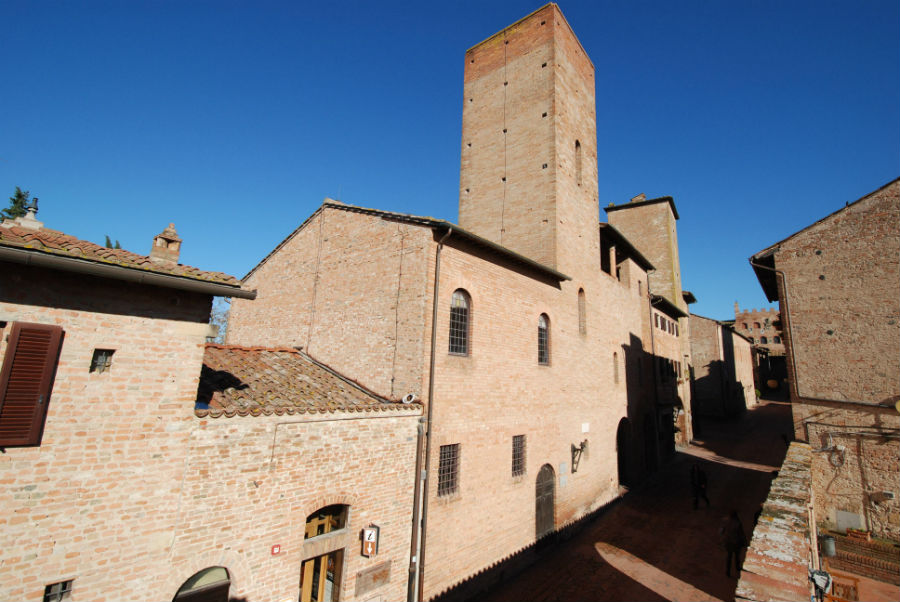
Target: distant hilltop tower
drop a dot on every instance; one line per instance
(528, 175)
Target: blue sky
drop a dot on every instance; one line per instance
(235, 119)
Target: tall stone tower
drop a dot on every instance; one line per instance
(528, 175)
(650, 223)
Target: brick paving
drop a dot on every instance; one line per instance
(652, 545)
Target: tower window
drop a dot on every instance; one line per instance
(578, 162)
(582, 312)
(102, 360)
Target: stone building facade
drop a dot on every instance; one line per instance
(723, 369)
(762, 327)
(120, 483)
(526, 329)
(835, 281)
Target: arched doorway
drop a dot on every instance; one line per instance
(623, 451)
(544, 500)
(208, 585)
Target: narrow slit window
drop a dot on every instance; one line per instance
(448, 470)
(615, 367)
(459, 322)
(518, 455)
(544, 340)
(582, 312)
(578, 162)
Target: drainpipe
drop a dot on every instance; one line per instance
(795, 385)
(417, 502)
(424, 483)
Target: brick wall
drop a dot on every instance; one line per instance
(250, 483)
(842, 332)
(723, 369)
(130, 494)
(97, 499)
(499, 390)
(350, 289)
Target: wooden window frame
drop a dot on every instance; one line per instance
(26, 382)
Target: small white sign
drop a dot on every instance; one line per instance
(585, 427)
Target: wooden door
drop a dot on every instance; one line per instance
(545, 493)
(320, 578)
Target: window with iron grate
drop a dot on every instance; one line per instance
(518, 455)
(56, 592)
(544, 340)
(448, 470)
(459, 322)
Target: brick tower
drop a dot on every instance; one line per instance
(528, 175)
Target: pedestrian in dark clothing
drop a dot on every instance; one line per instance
(733, 540)
(698, 484)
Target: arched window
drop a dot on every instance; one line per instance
(756, 325)
(325, 520)
(209, 585)
(544, 340)
(776, 340)
(582, 313)
(578, 162)
(764, 340)
(459, 322)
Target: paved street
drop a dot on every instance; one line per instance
(652, 545)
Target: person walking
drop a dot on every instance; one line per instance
(698, 484)
(733, 540)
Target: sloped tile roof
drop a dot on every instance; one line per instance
(53, 242)
(257, 380)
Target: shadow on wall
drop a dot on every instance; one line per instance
(476, 586)
(719, 393)
(212, 382)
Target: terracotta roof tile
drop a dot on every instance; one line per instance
(249, 381)
(57, 243)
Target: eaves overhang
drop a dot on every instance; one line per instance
(117, 272)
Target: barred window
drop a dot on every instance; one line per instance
(448, 470)
(582, 313)
(101, 360)
(56, 592)
(518, 455)
(459, 323)
(543, 340)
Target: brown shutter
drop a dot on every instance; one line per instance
(26, 380)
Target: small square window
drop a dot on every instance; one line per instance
(102, 360)
(518, 455)
(55, 592)
(448, 470)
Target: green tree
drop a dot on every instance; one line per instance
(109, 244)
(17, 204)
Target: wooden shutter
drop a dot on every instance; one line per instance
(26, 380)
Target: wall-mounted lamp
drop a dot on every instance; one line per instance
(576, 454)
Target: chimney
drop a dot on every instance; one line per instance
(639, 198)
(166, 246)
(29, 220)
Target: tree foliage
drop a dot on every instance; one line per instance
(218, 317)
(17, 203)
(109, 244)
